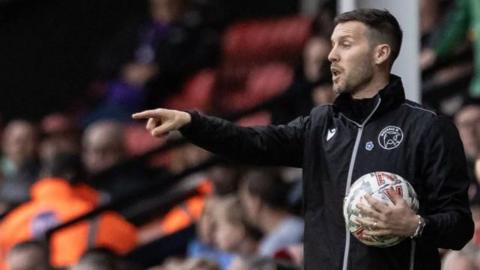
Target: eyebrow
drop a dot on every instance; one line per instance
(344, 37)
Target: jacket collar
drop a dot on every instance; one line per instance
(390, 97)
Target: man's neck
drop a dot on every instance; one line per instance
(372, 88)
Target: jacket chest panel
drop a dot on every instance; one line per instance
(382, 146)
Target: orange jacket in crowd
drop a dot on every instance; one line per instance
(181, 216)
(53, 202)
(187, 212)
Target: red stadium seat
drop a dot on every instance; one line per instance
(196, 93)
(255, 66)
(266, 40)
(262, 84)
(268, 81)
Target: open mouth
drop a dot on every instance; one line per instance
(335, 72)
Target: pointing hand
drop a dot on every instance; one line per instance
(161, 121)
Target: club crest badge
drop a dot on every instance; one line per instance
(390, 137)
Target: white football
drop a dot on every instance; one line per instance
(379, 185)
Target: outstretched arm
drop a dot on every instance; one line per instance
(266, 145)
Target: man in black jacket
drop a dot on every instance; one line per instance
(370, 127)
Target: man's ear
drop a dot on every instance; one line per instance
(382, 53)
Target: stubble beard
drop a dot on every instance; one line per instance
(354, 81)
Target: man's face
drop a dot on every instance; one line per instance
(351, 57)
(19, 142)
(100, 151)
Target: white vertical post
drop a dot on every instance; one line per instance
(346, 5)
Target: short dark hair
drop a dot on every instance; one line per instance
(382, 24)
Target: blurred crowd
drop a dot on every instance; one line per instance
(229, 216)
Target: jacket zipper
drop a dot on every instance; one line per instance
(349, 177)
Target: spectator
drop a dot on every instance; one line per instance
(179, 217)
(104, 148)
(29, 255)
(233, 233)
(264, 197)
(429, 16)
(323, 22)
(203, 246)
(54, 201)
(19, 163)
(158, 53)
(314, 68)
(59, 135)
(103, 145)
(467, 121)
(70, 168)
(104, 155)
(464, 17)
(225, 178)
(188, 211)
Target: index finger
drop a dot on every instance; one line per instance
(146, 114)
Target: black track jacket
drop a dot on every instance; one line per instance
(395, 135)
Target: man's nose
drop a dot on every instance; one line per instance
(333, 56)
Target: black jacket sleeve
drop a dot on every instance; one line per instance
(264, 145)
(447, 212)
